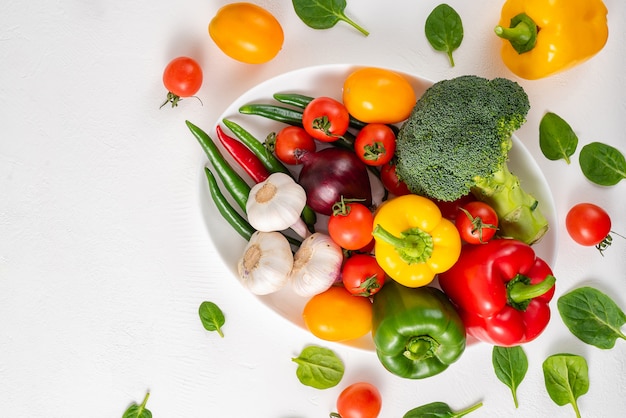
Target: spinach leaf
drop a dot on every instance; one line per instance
(324, 14)
(212, 317)
(567, 378)
(602, 164)
(319, 367)
(510, 365)
(444, 30)
(138, 411)
(592, 316)
(557, 139)
(439, 410)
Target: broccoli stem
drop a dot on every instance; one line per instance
(518, 212)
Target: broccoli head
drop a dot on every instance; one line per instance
(457, 141)
(460, 130)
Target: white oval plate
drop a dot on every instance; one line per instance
(327, 80)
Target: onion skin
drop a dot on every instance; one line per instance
(331, 173)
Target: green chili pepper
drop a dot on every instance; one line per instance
(274, 112)
(294, 99)
(417, 331)
(235, 184)
(238, 222)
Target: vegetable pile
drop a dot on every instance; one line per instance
(420, 266)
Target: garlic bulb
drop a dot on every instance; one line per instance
(266, 262)
(316, 265)
(276, 204)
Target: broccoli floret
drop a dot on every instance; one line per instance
(457, 141)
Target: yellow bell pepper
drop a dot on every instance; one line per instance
(413, 241)
(543, 37)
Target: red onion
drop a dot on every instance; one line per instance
(331, 173)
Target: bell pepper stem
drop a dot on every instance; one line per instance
(420, 347)
(521, 292)
(413, 245)
(522, 33)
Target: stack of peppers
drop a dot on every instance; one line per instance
(497, 292)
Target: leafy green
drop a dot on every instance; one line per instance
(138, 411)
(439, 410)
(212, 317)
(592, 316)
(324, 14)
(602, 164)
(319, 367)
(567, 378)
(510, 365)
(444, 30)
(557, 139)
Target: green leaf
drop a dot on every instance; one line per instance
(319, 367)
(324, 14)
(510, 365)
(602, 164)
(212, 317)
(138, 411)
(592, 316)
(439, 410)
(444, 30)
(567, 378)
(557, 139)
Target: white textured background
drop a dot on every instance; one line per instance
(105, 253)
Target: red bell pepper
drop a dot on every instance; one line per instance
(502, 291)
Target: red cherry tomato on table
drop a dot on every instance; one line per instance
(359, 400)
(375, 144)
(477, 222)
(588, 224)
(325, 119)
(391, 182)
(351, 225)
(182, 77)
(362, 275)
(291, 143)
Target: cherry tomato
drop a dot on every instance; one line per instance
(182, 77)
(247, 32)
(351, 225)
(375, 144)
(359, 400)
(337, 315)
(391, 182)
(376, 95)
(588, 224)
(291, 143)
(325, 119)
(477, 222)
(362, 275)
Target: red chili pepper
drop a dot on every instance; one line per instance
(243, 156)
(502, 291)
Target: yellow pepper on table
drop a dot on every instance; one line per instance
(413, 241)
(544, 37)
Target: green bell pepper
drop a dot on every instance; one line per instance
(417, 331)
